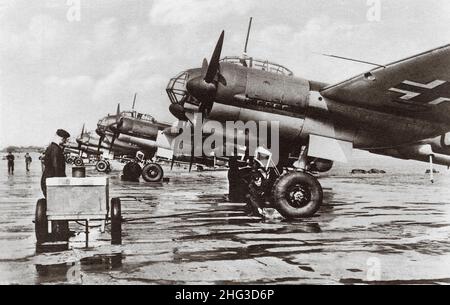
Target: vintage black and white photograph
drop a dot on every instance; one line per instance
(225, 142)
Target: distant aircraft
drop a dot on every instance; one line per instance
(155, 139)
(87, 142)
(400, 109)
(141, 130)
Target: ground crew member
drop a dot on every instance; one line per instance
(28, 161)
(10, 158)
(55, 166)
(54, 161)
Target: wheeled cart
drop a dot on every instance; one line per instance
(81, 200)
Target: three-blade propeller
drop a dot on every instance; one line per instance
(204, 89)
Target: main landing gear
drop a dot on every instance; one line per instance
(151, 172)
(294, 194)
(297, 195)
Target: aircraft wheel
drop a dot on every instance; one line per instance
(116, 222)
(78, 162)
(68, 159)
(297, 195)
(152, 172)
(40, 221)
(101, 166)
(132, 171)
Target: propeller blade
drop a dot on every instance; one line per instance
(100, 141)
(213, 67)
(112, 142)
(120, 124)
(204, 67)
(82, 129)
(191, 160)
(172, 162)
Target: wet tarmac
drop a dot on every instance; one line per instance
(375, 229)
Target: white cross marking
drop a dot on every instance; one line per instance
(407, 94)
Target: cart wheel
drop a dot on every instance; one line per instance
(116, 222)
(40, 221)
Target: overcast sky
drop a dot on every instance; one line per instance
(57, 72)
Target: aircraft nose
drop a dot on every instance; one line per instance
(100, 131)
(178, 111)
(200, 89)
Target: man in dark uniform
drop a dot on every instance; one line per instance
(55, 166)
(10, 158)
(54, 161)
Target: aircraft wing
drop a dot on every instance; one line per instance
(418, 86)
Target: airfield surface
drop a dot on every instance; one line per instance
(377, 229)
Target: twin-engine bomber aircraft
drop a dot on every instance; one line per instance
(400, 110)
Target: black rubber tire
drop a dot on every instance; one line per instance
(132, 171)
(297, 183)
(153, 172)
(40, 222)
(70, 160)
(78, 162)
(101, 166)
(116, 222)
